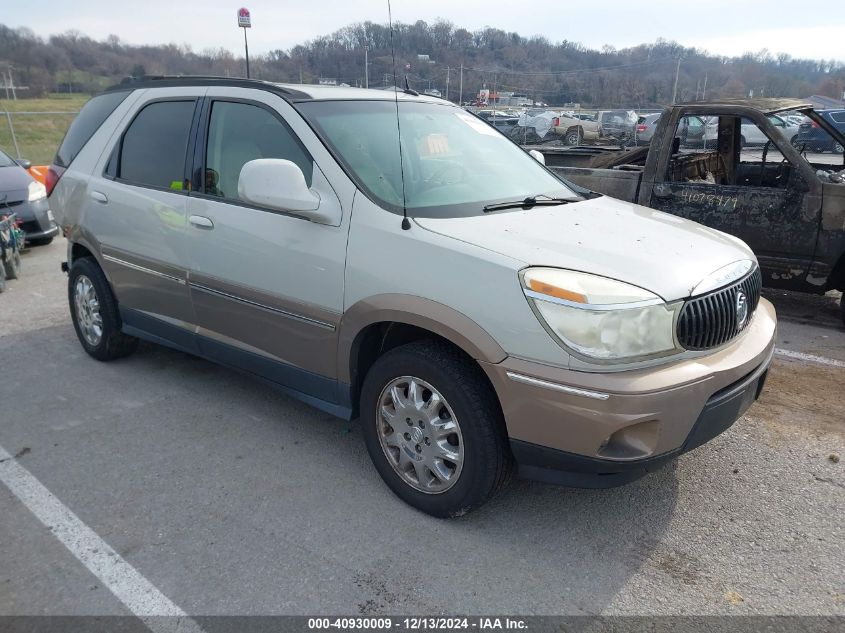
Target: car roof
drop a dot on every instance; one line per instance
(767, 105)
(290, 92)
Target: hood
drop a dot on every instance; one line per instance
(13, 182)
(662, 253)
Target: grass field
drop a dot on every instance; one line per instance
(38, 135)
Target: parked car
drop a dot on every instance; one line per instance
(752, 135)
(22, 195)
(450, 305)
(813, 137)
(645, 128)
(612, 125)
(498, 118)
(788, 209)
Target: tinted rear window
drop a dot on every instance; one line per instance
(839, 117)
(154, 145)
(89, 119)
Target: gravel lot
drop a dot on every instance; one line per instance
(230, 498)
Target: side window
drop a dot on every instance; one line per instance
(239, 133)
(153, 149)
(695, 158)
(839, 117)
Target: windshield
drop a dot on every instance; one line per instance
(5, 161)
(454, 164)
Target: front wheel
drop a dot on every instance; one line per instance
(94, 311)
(434, 428)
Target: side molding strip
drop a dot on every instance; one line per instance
(142, 269)
(285, 313)
(536, 382)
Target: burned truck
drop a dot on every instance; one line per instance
(786, 202)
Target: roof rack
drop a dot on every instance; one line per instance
(163, 81)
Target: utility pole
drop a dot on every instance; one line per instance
(447, 82)
(366, 66)
(677, 72)
(461, 92)
(704, 90)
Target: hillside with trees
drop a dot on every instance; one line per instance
(432, 56)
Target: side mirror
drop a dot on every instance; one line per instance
(24, 163)
(537, 156)
(278, 184)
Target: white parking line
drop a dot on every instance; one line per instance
(137, 593)
(810, 358)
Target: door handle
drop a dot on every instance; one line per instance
(200, 221)
(99, 196)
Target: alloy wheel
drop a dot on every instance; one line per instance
(419, 434)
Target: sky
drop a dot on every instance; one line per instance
(724, 27)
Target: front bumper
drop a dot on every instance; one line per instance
(606, 429)
(36, 220)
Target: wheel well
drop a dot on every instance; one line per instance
(77, 251)
(379, 338)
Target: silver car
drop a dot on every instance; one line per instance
(441, 295)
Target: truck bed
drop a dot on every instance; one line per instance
(623, 184)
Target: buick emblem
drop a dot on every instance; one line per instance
(741, 309)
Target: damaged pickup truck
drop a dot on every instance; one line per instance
(787, 204)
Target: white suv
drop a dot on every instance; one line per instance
(395, 259)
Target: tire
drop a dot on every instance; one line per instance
(110, 343)
(468, 406)
(12, 266)
(837, 148)
(842, 308)
(572, 137)
(41, 241)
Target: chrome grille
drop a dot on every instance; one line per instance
(711, 320)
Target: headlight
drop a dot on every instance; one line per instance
(599, 317)
(36, 191)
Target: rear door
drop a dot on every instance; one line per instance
(137, 207)
(266, 285)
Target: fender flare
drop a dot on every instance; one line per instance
(436, 317)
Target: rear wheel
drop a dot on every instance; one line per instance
(573, 137)
(94, 311)
(434, 428)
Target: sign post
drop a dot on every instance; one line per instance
(245, 22)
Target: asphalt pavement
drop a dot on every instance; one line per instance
(227, 497)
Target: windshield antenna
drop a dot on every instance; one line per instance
(406, 224)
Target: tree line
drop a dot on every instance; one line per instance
(438, 56)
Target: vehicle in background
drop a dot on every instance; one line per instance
(813, 138)
(645, 128)
(498, 118)
(612, 126)
(753, 136)
(473, 311)
(22, 195)
(786, 207)
(795, 118)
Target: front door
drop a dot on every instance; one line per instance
(757, 194)
(267, 286)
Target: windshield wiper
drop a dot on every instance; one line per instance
(540, 200)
